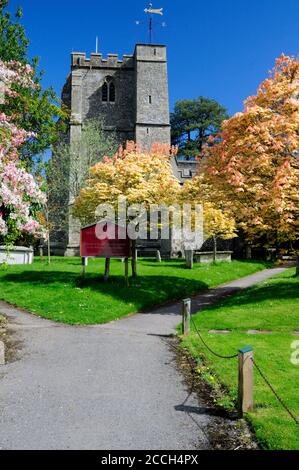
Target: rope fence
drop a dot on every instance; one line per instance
(246, 365)
(281, 401)
(208, 347)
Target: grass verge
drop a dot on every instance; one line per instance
(271, 306)
(57, 291)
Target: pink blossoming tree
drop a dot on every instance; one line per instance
(21, 198)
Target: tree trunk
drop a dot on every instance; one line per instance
(107, 270)
(201, 139)
(49, 251)
(297, 264)
(214, 249)
(134, 259)
(127, 271)
(49, 243)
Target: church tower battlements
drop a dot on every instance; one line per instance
(130, 95)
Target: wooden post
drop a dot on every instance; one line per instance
(189, 258)
(107, 270)
(134, 259)
(84, 265)
(127, 271)
(245, 380)
(2, 353)
(186, 316)
(158, 257)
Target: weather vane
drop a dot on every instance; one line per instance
(150, 11)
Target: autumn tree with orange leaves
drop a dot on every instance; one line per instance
(252, 167)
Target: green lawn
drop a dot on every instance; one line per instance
(57, 292)
(272, 305)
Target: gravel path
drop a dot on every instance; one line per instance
(113, 386)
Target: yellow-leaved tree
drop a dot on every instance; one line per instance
(142, 177)
(218, 223)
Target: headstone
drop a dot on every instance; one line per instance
(248, 251)
(220, 332)
(189, 258)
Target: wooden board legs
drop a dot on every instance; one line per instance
(107, 269)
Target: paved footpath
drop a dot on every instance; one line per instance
(113, 386)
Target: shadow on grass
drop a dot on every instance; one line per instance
(280, 290)
(144, 292)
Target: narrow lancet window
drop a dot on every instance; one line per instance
(108, 91)
(105, 92)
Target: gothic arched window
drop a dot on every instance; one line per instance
(108, 90)
(105, 92)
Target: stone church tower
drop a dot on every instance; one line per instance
(129, 95)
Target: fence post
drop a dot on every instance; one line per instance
(2, 353)
(246, 402)
(186, 316)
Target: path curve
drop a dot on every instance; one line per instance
(113, 386)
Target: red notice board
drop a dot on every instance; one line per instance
(109, 247)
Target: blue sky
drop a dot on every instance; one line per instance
(221, 49)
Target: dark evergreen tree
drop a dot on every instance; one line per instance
(193, 121)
